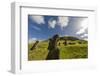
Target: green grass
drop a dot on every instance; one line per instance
(69, 51)
(72, 52)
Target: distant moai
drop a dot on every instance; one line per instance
(34, 45)
(65, 42)
(53, 49)
(59, 43)
(80, 42)
(71, 43)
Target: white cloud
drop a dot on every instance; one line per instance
(84, 26)
(84, 35)
(80, 31)
(32, 40)
(36, 28)
(63, 21)
(52, 23)
(38, 19)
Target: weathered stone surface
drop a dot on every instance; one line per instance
(65, 42)
(59, 44)
(53, 49)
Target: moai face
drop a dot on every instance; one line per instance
(55, 40)
(53, 50)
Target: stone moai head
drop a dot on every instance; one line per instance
(56, 36)
(37, 41)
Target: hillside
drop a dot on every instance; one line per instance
(74, 49)
(69, 38)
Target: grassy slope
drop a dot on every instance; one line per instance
(66, 52)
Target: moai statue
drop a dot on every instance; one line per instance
(59, 44)
(34, 45)
(53, 49)
(65, 42)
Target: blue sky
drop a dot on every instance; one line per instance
(43, 27)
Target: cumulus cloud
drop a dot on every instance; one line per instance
(38, 19)
(62, 21)
(84, 35)
(80, 31)
(84, 26)
(52, 23)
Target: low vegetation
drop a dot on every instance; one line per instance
(74, 49)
